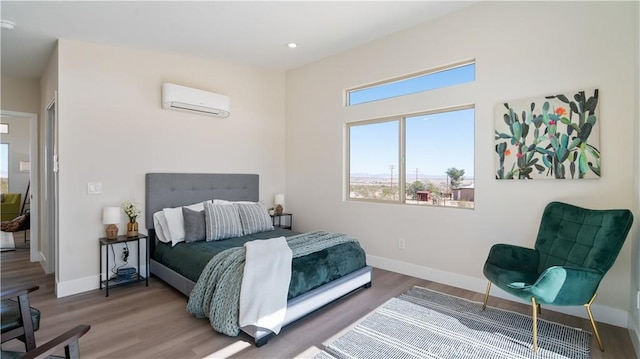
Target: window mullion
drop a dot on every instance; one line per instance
(402, 175)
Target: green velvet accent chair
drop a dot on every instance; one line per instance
(574, 249)
(10, 206)
(17, 319)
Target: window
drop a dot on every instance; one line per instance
(424, 159)
(4, 168)
(425, 81)
(374, 160)
(419, 158)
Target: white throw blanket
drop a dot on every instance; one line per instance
(265, 284)
(216, 294)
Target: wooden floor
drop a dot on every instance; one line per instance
(140, 322)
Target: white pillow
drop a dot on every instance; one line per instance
(161, 226)
(175, 221)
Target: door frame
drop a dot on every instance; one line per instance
(49, 255)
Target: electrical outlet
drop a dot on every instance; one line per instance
(401, 244)
(638, 299)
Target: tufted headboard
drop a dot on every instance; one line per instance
(164, 190)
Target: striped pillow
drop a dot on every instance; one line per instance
(221, 221)
(254, 217)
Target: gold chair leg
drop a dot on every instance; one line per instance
(534, 305)
(486, 295)
(593, 323)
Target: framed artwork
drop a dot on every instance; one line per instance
(550, 137)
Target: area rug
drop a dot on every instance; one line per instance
(422, 323)
(6, 242)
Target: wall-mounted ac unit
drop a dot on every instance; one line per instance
(182, 98)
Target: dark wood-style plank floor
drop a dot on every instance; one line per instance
(140, 322)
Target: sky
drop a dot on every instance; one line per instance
(434, 143)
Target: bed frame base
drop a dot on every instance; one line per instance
(297, 307)
(315, 299)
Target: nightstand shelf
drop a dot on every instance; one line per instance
(115, 281)
(284, 220)
(112, 280)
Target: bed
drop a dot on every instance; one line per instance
(168, 190)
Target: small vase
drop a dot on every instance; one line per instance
(132, 229)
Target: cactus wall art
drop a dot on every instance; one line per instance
(552, 137)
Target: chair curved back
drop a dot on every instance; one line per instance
(573, 236)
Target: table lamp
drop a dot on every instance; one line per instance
(111, 216)
(279, 202)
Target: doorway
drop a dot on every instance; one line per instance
(25, 165)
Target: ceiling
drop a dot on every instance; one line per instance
(247, 32)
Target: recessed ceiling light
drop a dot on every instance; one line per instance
(292, 45)
(6, 24)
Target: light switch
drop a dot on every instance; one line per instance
(94, 187)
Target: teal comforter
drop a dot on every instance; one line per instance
(307, 272)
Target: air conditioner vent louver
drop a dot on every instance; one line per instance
(181, 98)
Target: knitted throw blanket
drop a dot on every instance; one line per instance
(216, 294)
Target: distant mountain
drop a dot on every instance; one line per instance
(421, 177)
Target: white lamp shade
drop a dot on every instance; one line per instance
(279, 200)
(25, 166)
(111, 215)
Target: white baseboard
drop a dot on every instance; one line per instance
(75, 286)
(604, 314)
(80, 285)
(634, 332)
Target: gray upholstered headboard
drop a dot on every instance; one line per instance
(164, 190)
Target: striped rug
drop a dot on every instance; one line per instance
(422, 323)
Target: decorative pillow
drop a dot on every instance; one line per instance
(175, 221)
(221, 221)
(161, 227)
(194, 225)
(254, 217)
(15, 224)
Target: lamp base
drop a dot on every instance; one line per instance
(279, 210)
(112, 231)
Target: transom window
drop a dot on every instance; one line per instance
(428, 80)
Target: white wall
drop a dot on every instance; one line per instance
(20, 94)
(48, 88)
(634, 317)
(113, 130)
(521, 50)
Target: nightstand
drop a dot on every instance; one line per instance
(278, 221)
(113, 280)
